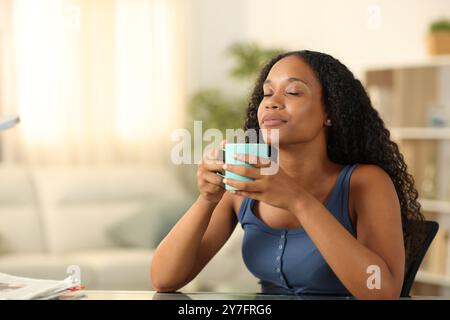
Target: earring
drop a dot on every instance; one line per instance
(328, 122)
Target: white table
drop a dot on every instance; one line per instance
(152, 295)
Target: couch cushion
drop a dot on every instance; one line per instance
(20, 224)
(80, 204)
(149, 225)
(43, 266)
(116, 268)
(111, 269)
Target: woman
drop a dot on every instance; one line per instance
(309, 229)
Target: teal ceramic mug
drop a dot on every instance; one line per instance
(256, 149)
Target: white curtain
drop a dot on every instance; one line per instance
(93, 81)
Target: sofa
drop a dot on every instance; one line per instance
(107, 220)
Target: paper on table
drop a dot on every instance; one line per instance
(21, 288)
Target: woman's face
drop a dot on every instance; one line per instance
(292, 102)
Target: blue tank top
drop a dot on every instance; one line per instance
(286, 260)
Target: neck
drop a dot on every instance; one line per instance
(308, 163)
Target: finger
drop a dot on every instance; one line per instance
(211, 156)
(221, 153)
(243, 185)
(222, 144)
(250, 172)
(213, 178)
(258, 162)
(212, 166)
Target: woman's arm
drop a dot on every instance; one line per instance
(199, 234)
(192, 242)
(379, 239)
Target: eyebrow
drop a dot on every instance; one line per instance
(291, 79)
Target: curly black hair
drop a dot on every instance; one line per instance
(358, 134)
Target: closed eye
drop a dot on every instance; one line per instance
(291, 93)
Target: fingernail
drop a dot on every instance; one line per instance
(224, 181)
(232, 191)
(225, 166)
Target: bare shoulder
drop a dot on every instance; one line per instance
(370, 176)
(371, 187)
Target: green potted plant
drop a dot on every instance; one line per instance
(218, 110)
(439, 37)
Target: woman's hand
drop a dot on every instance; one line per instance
(278, 190)
(209, 182)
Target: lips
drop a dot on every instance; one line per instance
(273, 120)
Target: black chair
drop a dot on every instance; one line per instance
(428, 230)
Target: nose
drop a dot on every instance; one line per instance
(274, 104)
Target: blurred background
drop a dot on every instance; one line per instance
(101, 85)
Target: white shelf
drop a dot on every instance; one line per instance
(433, 278)
(420, 133)
(435, 205)
(428, 61)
